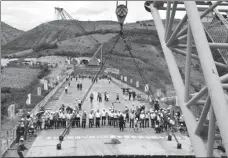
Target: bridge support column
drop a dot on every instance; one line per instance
(213, 83)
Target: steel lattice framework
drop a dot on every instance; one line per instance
(197, 33)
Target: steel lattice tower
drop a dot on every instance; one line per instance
(196, 32)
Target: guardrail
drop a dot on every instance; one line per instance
(10, 137)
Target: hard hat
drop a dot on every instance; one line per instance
(22, 138)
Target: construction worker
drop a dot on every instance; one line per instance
(79, 104)
(78, 119)
(91, 97)
(91, 119)
(117, 97)
(21, 148)
(18, 133)
(121, 122)
(103, 117)
(66, 89)
(132, 116)
(98, 116)
(84, 119)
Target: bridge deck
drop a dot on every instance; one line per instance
(86, 142)
(91, 141)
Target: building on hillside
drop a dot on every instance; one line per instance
(94, 62)
(74, 61)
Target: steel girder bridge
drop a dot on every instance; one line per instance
(206, 41)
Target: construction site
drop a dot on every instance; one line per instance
(149, 88)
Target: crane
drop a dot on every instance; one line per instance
(61, 12)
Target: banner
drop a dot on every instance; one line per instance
(121, 78)
(146, 88)
(131, 80)
(125, 78)
(39, 91)
(28, 101)
(11, 111)
(113, 70)
(45, 85)
(58, 78)
(137, 84)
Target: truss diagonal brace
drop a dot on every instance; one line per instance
(182, 32)
(198, 144)
(213, 83)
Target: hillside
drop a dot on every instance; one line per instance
(146, 50)
(48, 33)
(144, 43)
(64, 30)
(9, 33)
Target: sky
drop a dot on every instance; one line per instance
(25, 15)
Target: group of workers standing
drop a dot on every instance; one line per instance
(135, 117)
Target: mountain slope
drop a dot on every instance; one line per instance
(8, 33)
(48, 33)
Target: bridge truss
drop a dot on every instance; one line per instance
(191, 33)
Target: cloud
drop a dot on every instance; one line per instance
(26, 15)
(89, 11)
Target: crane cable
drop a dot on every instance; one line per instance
(103, 64)
(137, 67)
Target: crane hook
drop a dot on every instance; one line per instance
(121, 13)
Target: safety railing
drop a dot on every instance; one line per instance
(10, 137)
(217, 30)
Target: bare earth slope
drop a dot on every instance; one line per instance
(48, 33)
(8, 33)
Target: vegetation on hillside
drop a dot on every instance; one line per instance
(45, 46)
(9, 33)
(18, 96)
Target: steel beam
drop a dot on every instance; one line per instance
(203, 115)
(169, 29)
(205, 3)
(197, 142)
(212, 45)
(219, 45)
(200, 9)
(213, 83)
(167, 17)
(182, 32)
(225, 86)
(211, 134)
(182, 37)
(188, 65)
(179, 26)
(179, 51)
(204, 91)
